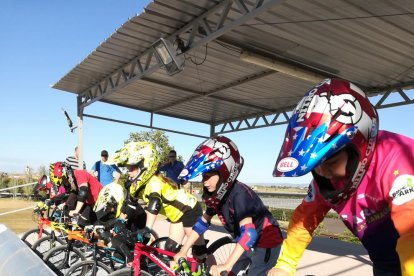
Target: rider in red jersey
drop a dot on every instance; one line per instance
(83, 188)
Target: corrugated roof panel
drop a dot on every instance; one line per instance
(369, 42)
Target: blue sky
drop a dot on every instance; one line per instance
(41, 41)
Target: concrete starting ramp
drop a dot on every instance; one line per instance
(323, 257)
(16, 258)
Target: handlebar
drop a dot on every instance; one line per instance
(184, 267)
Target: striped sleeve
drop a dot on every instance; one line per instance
(305, 219)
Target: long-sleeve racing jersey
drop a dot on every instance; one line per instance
(175, 202)
(380, 213)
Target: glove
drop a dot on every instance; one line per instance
(144, 235)
(49, 202)
(104, 235)
(119, 226)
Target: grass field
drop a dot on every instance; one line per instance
(18, 222)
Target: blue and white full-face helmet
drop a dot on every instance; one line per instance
(217, 154)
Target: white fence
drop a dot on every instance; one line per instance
(4, 193)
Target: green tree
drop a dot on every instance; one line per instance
(4, 180)
(42, 170)
(158, 138)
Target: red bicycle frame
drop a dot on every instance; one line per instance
(148, 251)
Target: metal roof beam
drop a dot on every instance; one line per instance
(134, 70)
(252, 125)
(405, 100)
(150, 111)
(211, 93)
(141, 125)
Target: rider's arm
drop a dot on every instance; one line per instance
(305, 219)
(246, 241)
(194, 235)
(83, 194)
(400, 182)
(154, 207)
(150, 220)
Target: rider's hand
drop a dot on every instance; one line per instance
(72, 213)
(60, 206)
(277, 272)
(215, 270)
(144, 235)
(48, 202)
(177, 256)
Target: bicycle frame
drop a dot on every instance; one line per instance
(148, 251)
(44, 221)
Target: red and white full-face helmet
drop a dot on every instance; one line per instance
(332, 116)
(218, 154)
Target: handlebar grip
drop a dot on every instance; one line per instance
(182, 263)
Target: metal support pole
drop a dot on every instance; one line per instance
(80, 131)
(212, 128)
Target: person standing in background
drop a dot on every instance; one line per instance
(172, 167)
(105, 173)
(73, 161)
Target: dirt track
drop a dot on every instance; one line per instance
(18, 222)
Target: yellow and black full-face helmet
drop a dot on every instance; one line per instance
(56, 173)
(140, 154)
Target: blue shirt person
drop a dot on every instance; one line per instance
(172, 167)
(105, 173)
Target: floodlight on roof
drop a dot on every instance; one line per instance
(281, 67)
(168, 56)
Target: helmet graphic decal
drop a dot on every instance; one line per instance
(217, 154)
(344, 108)
(140, 154)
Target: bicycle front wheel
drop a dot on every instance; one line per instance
(154, 236)
(89, 268)
(128, 272)
(44, 244)
(31, 236)
(159, 242)
(219, 251)
(61, 258)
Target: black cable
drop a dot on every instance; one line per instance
(227, 47)
(330, 19)
(196, 63)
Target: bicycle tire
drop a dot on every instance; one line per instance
(154, 235)
(31, 236)
(82, 268)
(128, 272)
(159, 242)
(61, 259)
(219, 251)
(43, 245)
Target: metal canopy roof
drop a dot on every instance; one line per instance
(296, 43)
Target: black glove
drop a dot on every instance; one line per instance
(144, 235)
(104, 235)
